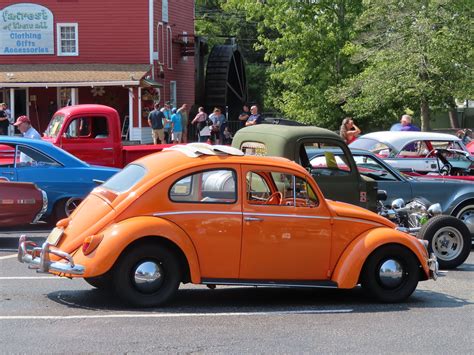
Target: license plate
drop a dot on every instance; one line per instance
(54, 236)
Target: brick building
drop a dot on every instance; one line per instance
(125, 54)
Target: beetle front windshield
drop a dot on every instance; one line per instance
(125, 179)
(54, 126)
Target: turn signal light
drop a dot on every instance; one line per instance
(91, 243)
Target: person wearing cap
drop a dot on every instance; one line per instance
(23, 124)
(176, 126)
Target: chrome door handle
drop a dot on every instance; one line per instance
(107, 148)
(253, 219)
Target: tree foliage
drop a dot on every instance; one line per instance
(374, 59)
(416, 55)
(303, 42)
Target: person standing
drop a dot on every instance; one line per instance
(183, 113)
(4, 121)
(176, 127)
(405, 125)
(155, 121)
(23, 124)
(244, 115)
(255, 117)
(167, 121)
(218, 124)
(200, 121)
(349, 131)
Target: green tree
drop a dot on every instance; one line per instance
(303, 42)
(416, 54)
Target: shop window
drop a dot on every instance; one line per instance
(67, 39)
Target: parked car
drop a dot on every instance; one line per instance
(292, 142)
(455, 197)
(65, 179)
(21, 203)
(415, 151)
(208, 215)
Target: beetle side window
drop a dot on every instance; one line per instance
(276, 188)
(210, 186)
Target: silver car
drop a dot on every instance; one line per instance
(456, 197)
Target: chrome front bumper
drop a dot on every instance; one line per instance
(38, 258)
(434, 267)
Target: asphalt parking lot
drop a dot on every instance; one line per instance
(42, 313)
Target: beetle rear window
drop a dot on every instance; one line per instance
(211, 186)
(125, 179)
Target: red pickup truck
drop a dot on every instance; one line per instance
(93, 134)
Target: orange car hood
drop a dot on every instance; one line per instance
(342, 209)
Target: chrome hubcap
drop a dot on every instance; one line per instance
(467, 216)
(148, 277)
(71, 205)
(447, 243)
(391, 273)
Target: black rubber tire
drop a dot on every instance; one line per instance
(370, 279)
(103, 282)
(431, 230)
(124, 270)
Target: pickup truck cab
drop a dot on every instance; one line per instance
(93, 134)
(295, 143)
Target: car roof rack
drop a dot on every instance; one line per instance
(194, 150)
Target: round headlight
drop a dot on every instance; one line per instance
(435, 209)
(398, 203)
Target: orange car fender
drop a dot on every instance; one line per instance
(118, 236)
(349, 265)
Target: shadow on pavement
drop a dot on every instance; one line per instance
(251, 299)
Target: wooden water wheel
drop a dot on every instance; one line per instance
(226, 82)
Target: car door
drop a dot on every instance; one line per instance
(206, 205)
(286, 231)
(339, 182)
(7, 162)
(88, 138)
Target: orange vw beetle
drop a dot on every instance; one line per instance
(209, 215)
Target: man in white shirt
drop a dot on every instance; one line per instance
(24, 126)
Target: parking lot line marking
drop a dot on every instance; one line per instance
(176, 315)
(8, 256)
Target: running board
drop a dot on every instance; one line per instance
(274, 283)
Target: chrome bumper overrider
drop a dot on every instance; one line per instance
(38, 258)
(434, 267)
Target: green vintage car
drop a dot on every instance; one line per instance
(294, 142)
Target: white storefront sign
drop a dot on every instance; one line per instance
(26, 29)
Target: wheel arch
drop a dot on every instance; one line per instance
(459, 205)
(128, 233)
(350, 264)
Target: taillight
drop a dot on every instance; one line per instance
(91, 243)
